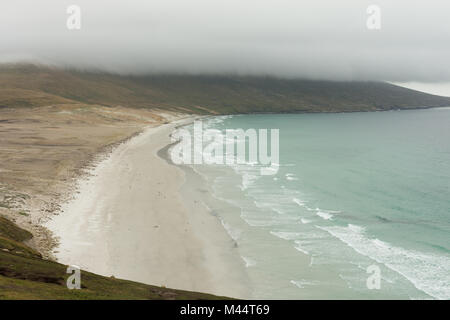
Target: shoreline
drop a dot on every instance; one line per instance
(122, 209)
(199, 196)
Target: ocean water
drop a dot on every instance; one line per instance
(353, 190)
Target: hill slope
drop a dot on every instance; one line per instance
(28, 85)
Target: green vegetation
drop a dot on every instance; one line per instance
(13, 232)
(28, 85)
(25, 275)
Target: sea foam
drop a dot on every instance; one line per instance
(428, 273)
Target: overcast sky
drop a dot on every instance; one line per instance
(320, 39)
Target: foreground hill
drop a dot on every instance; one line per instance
(29, 85)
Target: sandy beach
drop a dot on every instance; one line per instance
(45, 150)
(129, 220)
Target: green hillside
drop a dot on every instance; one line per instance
(28, 85)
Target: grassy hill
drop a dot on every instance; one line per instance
(25, 275)
(29, 85)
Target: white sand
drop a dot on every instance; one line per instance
(130, 220)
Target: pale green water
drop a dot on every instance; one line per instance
(353, 190)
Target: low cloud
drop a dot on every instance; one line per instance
(322, 39)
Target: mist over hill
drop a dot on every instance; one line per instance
(34, 86)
